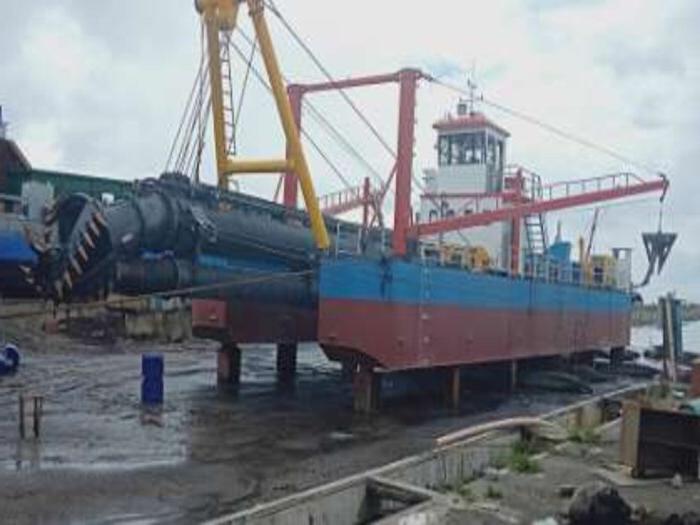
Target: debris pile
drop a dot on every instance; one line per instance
(598, 503)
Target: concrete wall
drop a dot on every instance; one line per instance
(346, 501)
(168, 320)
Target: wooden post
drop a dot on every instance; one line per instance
(38, 409)
(671, 338)
(348, 370)
(513, 375)
(37, 412)
(228, 371)
(695, 379)
(22, 430)
(455, 387)
(669, 353)
(366, 390)
(286, 362)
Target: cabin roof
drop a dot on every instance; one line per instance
(468, 122)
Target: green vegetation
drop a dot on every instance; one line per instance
(466, 492)
(586, 436)
(462, 488)
(520, 458)
(500, 462)
(524, 463)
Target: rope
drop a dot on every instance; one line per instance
(661, 215)
(316, 115)
(201, 122)
(415, 181)
(184, 156)
(329, 77)
(253, 49)
(341, 140)
(178, 291)
(259, 77)
(193, 163)
(186, 111)
(273, 8)
(200, 140)
(552, 129)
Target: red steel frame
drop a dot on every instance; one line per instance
(408, 82)
(622, 185)
(407, 79)
(403, 170)
(534, 207)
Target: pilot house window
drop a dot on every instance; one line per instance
(465, 148)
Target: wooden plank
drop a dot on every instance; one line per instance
(629, 434)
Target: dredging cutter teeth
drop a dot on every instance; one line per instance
(73, 230)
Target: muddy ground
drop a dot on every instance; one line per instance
(102, 459)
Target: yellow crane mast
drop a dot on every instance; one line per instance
(220, 17)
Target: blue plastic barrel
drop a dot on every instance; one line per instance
(9, 359)
(152, 379)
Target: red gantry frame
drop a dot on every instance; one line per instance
(514, 205)
(407, 79)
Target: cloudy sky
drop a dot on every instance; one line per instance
(99, 88)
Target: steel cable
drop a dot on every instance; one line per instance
(261, 79)
(549, 127)
(273, 276)
(186, 112)
(273, 8)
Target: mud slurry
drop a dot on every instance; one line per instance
(102, 459)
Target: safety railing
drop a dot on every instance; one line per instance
(341, 201)
(611, 181)
(531, 189)
(540, 268)
(522, 181)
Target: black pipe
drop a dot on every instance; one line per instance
(171, 275)
(101, 247)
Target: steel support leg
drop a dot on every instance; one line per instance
(348, 370)
(366, 390)
(513, 375)
(455, 387)
(228, 369)
(583, 358)
(695, 379)
(286, 362)
(617, 356)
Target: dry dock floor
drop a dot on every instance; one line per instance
(101, 459)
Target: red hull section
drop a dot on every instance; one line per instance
(400, 336)
(232, 322)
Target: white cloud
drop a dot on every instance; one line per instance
(40, 142)
(58, 57)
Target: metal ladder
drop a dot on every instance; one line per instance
(227, 92)
(536, 232)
